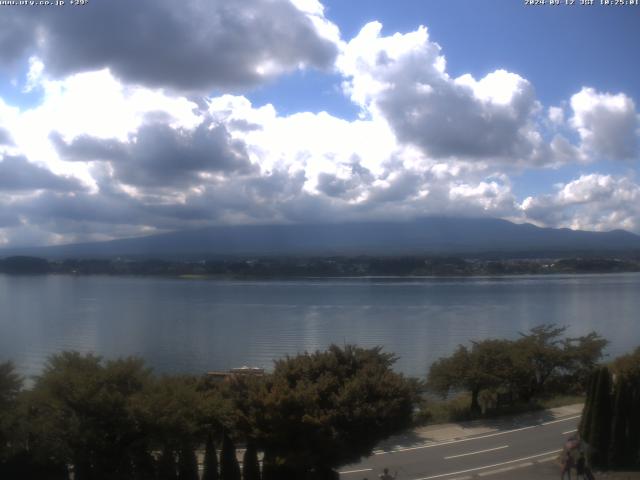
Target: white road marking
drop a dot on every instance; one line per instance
(488, 466)
(356, 471)
(561, 420)
(505, 469)
(475, 453)
(570, 431)
(449, 442)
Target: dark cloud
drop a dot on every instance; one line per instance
(16, 36)
(17, 174)
(86, 148)
(158, 155)
(8, 217)
(338, 187)
(187, 46)
(85, 207)
(449, 121)
(402, 187)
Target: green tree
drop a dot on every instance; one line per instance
(167, 467)
(250, 465)
(10, 386)
(170, 411)
(581, 358)
(611, 416)
(599, 432)
(210, 460)
(322, 410)
(487, 365)
(626, 369)
(187, 464)
(229, 468)
(628, 366)
(587, 411)
(79, 413)
(539, 354)
(525, 366)
(269, 466)
(620, 424)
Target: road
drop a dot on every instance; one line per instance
(477, 455)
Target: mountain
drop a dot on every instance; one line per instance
(437, 235)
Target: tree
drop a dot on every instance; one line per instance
(167, 468)
(79, 413)
(169, 411)
(10, 386)
(487, 365)
(620, 424)
(582, 355)
(600, 427)
(210, 460)
(229, 468)
(269, 466)
(322, 410)
(611, 417)
(539, 354)
(587, 411)
(628, 366)
(187, 464)
(250, 465)
(626, 370)
(525, 366)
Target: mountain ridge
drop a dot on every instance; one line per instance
(426, 235)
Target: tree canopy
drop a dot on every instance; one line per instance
(523, 367)
(115, 419)
(320, 410)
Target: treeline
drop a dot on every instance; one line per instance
(117, 420)
(540, 363)
(315, 412)
(610, 423)
(269, 267)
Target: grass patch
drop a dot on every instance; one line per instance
(561, 401)
(434, 411)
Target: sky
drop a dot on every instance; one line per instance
(121, 118)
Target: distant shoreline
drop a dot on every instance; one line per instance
(361, 267)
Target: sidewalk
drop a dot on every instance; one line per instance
(457, 431)
(539, 469)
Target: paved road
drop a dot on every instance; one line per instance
(497, 450)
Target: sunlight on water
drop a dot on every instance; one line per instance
(195, 326)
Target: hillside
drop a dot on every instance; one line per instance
(434, 235)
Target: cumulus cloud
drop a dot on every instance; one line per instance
(403, 78)
(191, 46)
(159, 155)
(608, 124)
(124, 149)
(18, 174)
(556, 115)
(591, 202)
(5, 137)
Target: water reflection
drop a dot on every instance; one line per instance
(196, 326)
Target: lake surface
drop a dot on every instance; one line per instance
(199, 325)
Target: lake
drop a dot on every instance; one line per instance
(194, 326)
